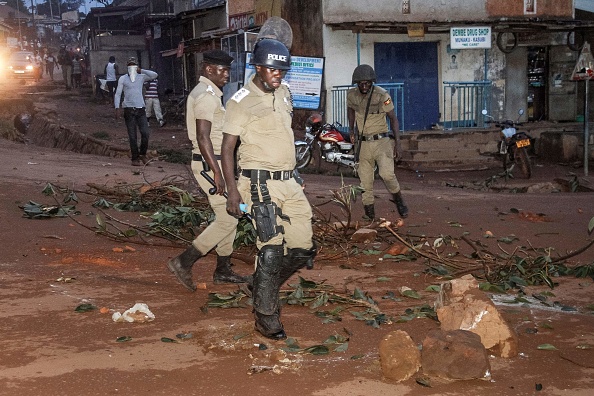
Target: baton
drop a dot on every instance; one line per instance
(213, 190)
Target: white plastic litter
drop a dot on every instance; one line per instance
(140, 313)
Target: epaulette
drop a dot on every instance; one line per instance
(209, 89)
(239, 95)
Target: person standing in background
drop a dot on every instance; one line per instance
(130, 85)
(111, 72)
(50, 64)
(65, 61)
(151, 99)
(76, 71)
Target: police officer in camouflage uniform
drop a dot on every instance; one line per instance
(260, 115)
(204, 118)
(367, 108)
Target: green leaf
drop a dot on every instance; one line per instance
(124, 339)
(359, 356)
(546, 347)
(317, 350)
(591, 225)
(383, 279)
(49, 189)
(433, 288)
(85, 308)
(424, 381)
(410, 294)
(342, 347)
(518, 281)
(71, 197)
(358, 294)
(546, 326)
(371, 252)
(100, 221)
(167, 339)
(307, 284)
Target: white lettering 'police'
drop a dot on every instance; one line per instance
(282, 58)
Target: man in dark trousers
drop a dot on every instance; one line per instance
(130, 84)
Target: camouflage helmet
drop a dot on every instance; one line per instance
(272, 54)
(363, 73)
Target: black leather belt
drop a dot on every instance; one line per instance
(377, 137)
(199, 157)
(265, 175)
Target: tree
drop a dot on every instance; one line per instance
(19, 7)
(44, 8)
(72, 5)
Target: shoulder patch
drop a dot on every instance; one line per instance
(387, 102)
(239, 95)
(209, 89)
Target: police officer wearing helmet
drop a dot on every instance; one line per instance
(259, 115)
(368, 105)
(204, 120)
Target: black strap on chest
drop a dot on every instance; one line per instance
(364, 121)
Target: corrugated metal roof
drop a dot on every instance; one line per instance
(133, 3)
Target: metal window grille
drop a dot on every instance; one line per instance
(463, 102)
(339, 103)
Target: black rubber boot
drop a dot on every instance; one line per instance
(400, 205)
(295, 260)
(265, 292)
(369, 212)
(181, 267)
(224, 274)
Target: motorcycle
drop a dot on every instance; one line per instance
(334, 145)
(514, 145)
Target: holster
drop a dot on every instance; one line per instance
(266, 279)
(265, 216)
(264, 211)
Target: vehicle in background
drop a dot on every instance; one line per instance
(21, 64)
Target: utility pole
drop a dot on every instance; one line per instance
(33, 8)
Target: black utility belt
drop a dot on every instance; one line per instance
(134, 108)
(377, 137)
(265, 175)
(199, 157)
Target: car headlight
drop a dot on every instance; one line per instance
(29, 67)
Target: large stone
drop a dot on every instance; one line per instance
(399, 356)
(364, 235)
(455, 354)
(463, 306)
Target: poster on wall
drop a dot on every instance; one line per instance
(304, 79)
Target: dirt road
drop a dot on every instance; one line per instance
(50, 267)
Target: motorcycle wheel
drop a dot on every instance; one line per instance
(302, 155)
(521, 159)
